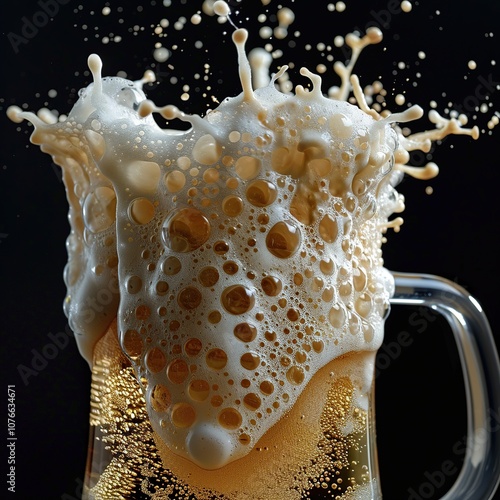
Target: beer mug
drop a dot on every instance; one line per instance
(123, 459)
(227, 287)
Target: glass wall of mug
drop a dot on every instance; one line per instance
(323, 447)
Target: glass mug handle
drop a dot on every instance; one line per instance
(480, 474)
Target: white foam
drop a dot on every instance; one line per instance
(296, 189)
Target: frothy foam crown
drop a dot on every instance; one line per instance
(240, 256)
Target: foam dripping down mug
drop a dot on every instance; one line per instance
(226, 285)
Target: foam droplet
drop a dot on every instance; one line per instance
(209, 446)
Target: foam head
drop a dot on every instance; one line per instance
(240, 256)
(249, 255)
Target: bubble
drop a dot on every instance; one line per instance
(318, 346)
(300, 356)
(247, 167)
(99, 209)
(161, 288)
(244, 439)
(232, 206)
(250, 360)
(207, 150)
(211, 175)
(237, 299)
(193, 347)
(295, 375)
(327, 266)
(132, 344)
(142, 175)
(214, 317)
(186, 230)
(183, 415)
(141, 211)
(199, 390)
(340, 6)
(328, 229)
(134, 284)
(196, 19)
(252, 401)
(174, 325)
(336, 316)
(160, 398)
(230, 418)
(345, 289)
(283, 239)
(359, 280)
(175, 181)
(208, 276)
(216, 359)
(230, 267)
(363, 305)
(189, 298)
(177, 371)
(263, 219)
(285, 361)
(245, 332)
(271, 285)
(155, 360)
(266, 387)
(221, 247)
(270, 336)
(171, 266)
(368, 332)
(261, 193)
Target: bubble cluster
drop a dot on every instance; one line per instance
(335, 465)
(245, 250)
(260, 262)
(249, 246)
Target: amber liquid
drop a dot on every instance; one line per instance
(323, 448)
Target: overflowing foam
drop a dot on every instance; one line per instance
(240, 256)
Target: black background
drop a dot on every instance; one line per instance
(452, 233)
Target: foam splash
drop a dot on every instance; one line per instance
(240, 256)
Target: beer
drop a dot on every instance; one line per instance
(323, 445)
(239, 280)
